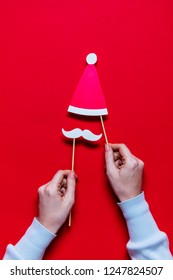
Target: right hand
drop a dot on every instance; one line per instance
(124, 171)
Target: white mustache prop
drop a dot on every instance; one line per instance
(77, 132)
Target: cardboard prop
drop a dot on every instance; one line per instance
(88, 100)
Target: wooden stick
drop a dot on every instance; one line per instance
(72, 168)
(69, 220)
(73, 151)
(104, 131)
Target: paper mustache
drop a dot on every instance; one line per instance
(77, 132)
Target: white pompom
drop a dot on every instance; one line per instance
(91, 58)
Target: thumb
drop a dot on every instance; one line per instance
(71, 185)
(109, 158)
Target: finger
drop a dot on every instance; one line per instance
(56, 182)
(123, 150)
(64, 183)
(63, 190)
(71, 185)
(116, 156)
(42, 188)
(59, 176)
(118, 163)
(109, 158)
(140, 162)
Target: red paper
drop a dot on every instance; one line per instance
(88, 98)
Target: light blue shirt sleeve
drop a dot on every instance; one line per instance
(146, 242)
(32, 245)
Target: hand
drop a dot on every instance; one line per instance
(124, 171)
(56, 199)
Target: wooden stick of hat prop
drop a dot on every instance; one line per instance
(74, 134)
(104, 131)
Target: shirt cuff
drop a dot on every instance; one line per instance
(140, 222)
(35, 241)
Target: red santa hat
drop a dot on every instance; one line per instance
(88, 98)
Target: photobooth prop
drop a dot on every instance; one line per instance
(87, 100)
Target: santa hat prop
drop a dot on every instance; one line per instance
(88, 98)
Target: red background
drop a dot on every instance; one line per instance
(43, 45)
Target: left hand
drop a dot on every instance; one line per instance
(56, 199)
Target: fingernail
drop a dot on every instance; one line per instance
(72, 175)
(107, 148)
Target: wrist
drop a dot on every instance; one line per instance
(50, 227)
(126, 196)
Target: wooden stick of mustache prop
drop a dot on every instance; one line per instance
(72, 168)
